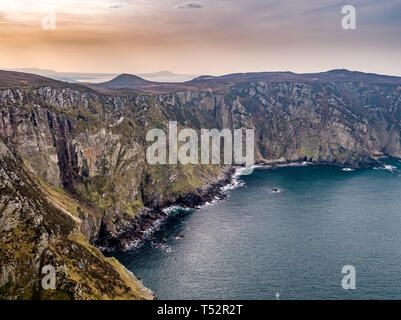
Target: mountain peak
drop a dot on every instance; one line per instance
(339, 71)
(125, 80)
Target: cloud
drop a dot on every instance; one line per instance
(189, 5)
(115, 6)
(303, 36)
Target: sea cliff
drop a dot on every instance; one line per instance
(83, 147)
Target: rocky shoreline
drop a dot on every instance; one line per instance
(149, 220)
(144, 224)
(365, 162)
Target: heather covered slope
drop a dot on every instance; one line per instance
(35, 231)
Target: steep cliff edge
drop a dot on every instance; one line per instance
(93, 147)
(35, 232)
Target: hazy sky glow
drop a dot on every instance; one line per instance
(203, 37)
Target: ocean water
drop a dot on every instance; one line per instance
(257, 243)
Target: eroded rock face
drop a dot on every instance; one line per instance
(344, 123)
(93, 145)
(34, 234)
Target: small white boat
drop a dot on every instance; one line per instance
(347, 169)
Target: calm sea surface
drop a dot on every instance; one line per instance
(256, 243)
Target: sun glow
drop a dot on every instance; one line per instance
(205, 36)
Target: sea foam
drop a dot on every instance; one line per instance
(387, 167)
(235, 181)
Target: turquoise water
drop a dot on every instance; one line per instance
(256, 242)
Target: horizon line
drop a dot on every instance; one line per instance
(21, 70)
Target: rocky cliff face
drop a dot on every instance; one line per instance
(343, 123)
(93, 147)
(89, 143)
(37, 232)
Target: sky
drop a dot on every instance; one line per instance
(211, 37)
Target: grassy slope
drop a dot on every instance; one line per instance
(36, 233)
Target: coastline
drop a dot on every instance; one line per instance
(150, 220)
(219, 233)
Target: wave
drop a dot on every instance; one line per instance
(294, 164)
(246, 171)
(147, 234)
(347, 169)
(156, 226)
(234, 184)
(235, 181)
(387, 167)
(131, 245)
(209, 203)
(173, 210)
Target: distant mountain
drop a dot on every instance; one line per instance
(125, 81)
(205, 77)
(347, 75)
(166, 80)
(9, 79)
(166, 76)
(332, 75)
(135, 84)
(76, 77)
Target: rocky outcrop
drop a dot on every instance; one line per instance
(36, 233)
